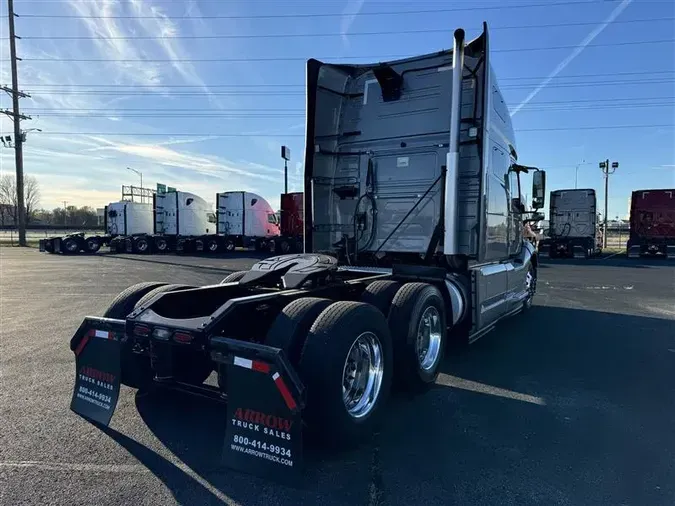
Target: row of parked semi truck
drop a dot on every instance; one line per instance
(178, 221)
(184, 222)
(575, 231)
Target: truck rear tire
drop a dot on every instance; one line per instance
(417, 322)
(161, 246)
(380, 294)
(235, 276)
(70, 246)
(92, 244)
(346, 364)
(160, 289)
(141, 245)
(124, 303)
(284, 247)
(135, 369)
(212, 246)
(291, 326)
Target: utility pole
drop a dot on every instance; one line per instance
(16, 116)
(65, 213)
(607, 169)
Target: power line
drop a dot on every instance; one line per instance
(303, 59)
(302, 85)
(325, 14)
(301, 93)
(335, 34)
(281, 134)
(538, 103)
(221, 115)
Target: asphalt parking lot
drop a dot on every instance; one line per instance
(571, 404)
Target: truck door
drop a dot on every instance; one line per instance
(492, 279)
(515, 233)
(516, 271)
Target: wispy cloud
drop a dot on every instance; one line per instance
(576, 52)
(349, 14)
(208, 165)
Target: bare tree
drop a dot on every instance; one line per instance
(8, 199)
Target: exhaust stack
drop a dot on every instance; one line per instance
(450, 246)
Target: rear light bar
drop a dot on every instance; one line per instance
(141, 330)
(183, 337)
(161, 334)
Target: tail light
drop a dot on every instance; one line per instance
(183, 337)
(141, 330)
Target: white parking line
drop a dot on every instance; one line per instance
(67, 466)
(474, 386)
(610, 256)
(113, 468)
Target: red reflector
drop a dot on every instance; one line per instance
(182, 337)
(141, 330)
(260, 366)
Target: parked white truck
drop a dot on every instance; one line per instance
(178, 221)
(413, 238)
(120, 220)
(245, 220)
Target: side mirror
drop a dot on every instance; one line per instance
(538, 216)
(538, 189)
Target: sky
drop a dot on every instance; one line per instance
(114, 84)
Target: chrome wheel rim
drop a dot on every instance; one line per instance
(71, 246)
(213, 246)
(429, 338)
(362, 375)
(142, 246)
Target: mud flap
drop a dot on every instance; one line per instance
(264, 404)
(42, 246)
(633, 251)
(96, 345)
(579, 252)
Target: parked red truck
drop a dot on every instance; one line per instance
(652, 223)
(291, 224)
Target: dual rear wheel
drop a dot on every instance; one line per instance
(349, 354)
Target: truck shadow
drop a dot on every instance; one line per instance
(189, 261)
(551, 408)
(185, 488)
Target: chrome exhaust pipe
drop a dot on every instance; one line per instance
(450, 240)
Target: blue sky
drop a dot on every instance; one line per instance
(606, 81)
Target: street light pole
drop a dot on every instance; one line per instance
(576, 172)
(141, 175)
